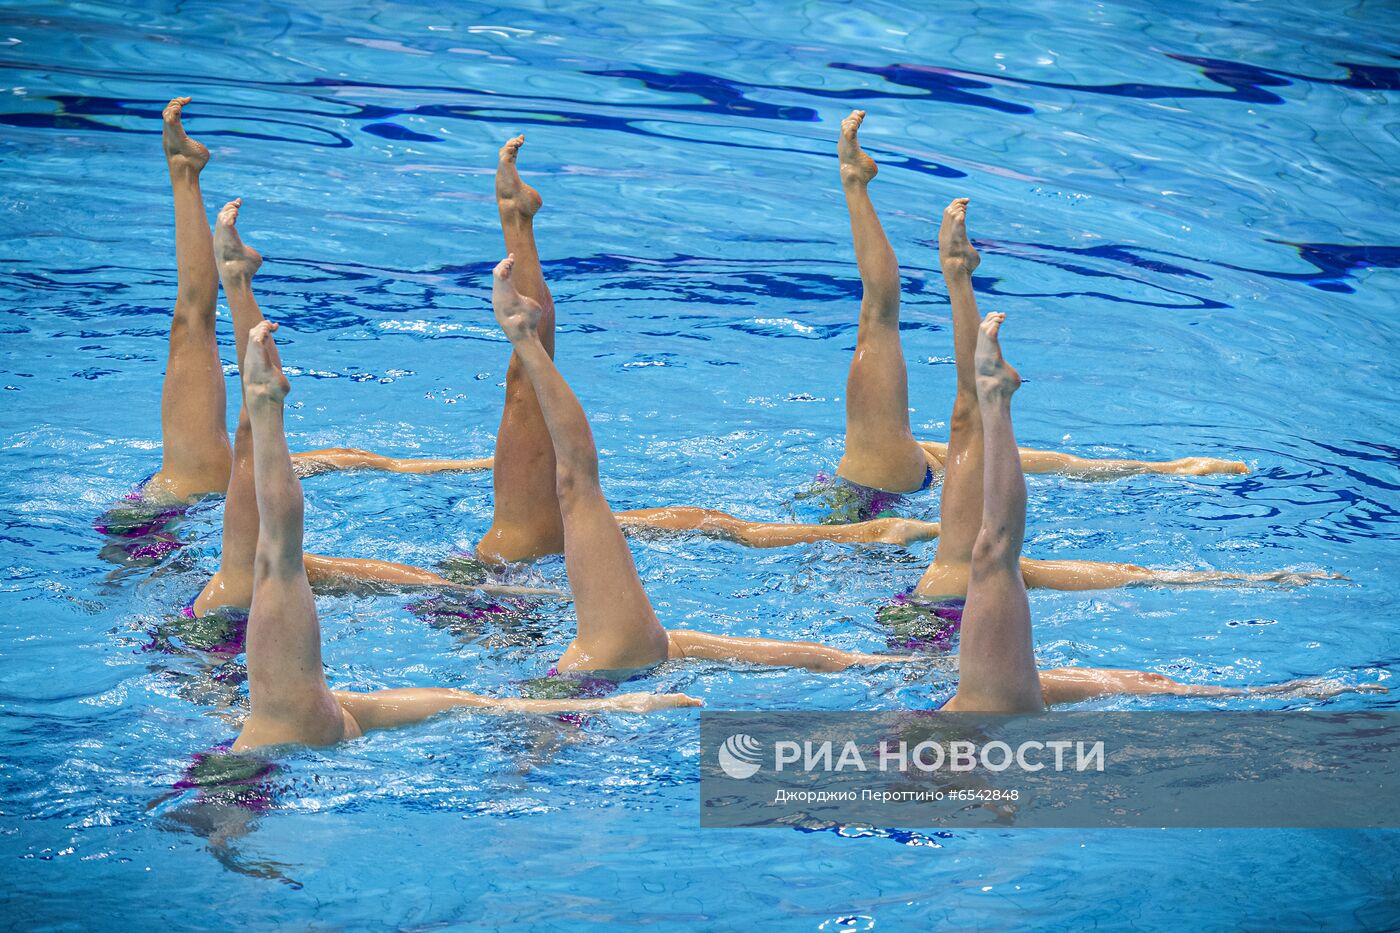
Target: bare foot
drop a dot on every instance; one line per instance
(236, 260)
(1201, 466)
(518, 315)
(1294, 577)
(904, 531)
(1315, 688)
(856, 166)
(955, 250)
(862, 659)
(263, 378)
(181, 151)
(514, 198)
(995, 377)
(649, 702)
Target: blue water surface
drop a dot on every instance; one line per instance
(1188, 211)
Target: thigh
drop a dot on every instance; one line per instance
(617, 628)
(877, 390)
(996, 657)
(286, 685)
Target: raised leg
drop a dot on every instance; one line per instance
(996, 656)
(617, 628)
(880, 448)
(960, 501)
(344, 459)
(527, 522)
(290, 700)
(713, 522)
(232, 584)
(286, 686)
(1051, 461)
(195, 453)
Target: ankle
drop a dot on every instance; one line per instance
(514, 214)
(235, 275)
(263, 397)
(182, 169)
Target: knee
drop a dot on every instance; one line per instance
(573, 484)
(1155, 683)
(994, 548)
(965, 415)
(266, 564)
(194, 301)
(517, 380)
(190, 321)
(881, 307)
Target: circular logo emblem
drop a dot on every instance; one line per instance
(740, 755)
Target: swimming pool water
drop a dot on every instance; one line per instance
(1187, 210)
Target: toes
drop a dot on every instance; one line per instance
(171, 113)
(503, 268)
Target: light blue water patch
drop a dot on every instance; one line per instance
(1187, 210)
